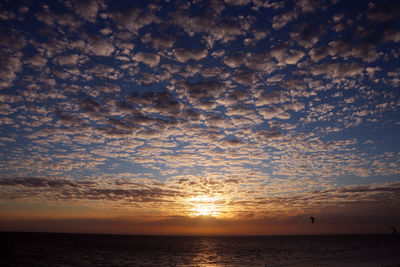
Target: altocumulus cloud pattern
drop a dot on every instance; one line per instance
(260, 108)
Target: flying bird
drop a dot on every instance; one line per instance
(312, 219)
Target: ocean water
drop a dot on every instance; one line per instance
(50, 249)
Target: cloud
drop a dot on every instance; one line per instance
(7, 15)
(149, 59)
(391, 36)
(271, 98)
(36, 182)
(238, 2)
(138, 195)
(284, 56)
(203, 89)
(103, 72)
(12, 41)
(68, 20)
(234, 60)
(261, 62)
(366, 52)
(274, 112)
(160, 42)
(61, 188)
(70, 120)
(228, 31)
(37, 61)
(308, 6)
(318, 53)
(133, 19)
(71, 59)
(239, 110)
(183, 55)
(383, 12)
(100, 46)
(91, 106)
(158, 102)
(9, 67)
(339, 47)
(244, 78)
(306, 35)
(280, 21)
(87, 9)
(209, 23)
(337, 70)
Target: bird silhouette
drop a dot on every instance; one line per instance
(394, 229)
(312, 219)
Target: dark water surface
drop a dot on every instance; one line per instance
(47, 249)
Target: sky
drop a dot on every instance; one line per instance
(200, 117)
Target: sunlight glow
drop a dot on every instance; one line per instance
(203, 206)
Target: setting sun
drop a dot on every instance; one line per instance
(203, 206)
(205, 210)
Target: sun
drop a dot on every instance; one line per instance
(204, 210)
(203, 206)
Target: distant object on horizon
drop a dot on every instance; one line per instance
(394, 229)
(312, 219)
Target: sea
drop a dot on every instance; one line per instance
(56, 249)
